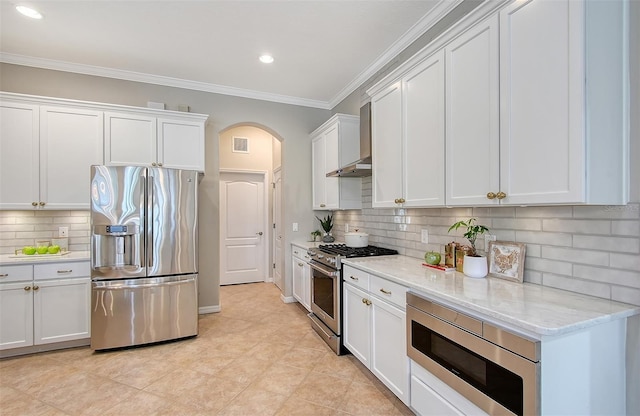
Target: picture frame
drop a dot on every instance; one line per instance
(506, 260)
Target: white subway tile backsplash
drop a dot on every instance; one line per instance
(602, 274)
(593, 250)
(625, 261)
(577, 226)
(21, 228)
(614, 244)
(572, 284)
(596, 258)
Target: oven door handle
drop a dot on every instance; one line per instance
(324, 270)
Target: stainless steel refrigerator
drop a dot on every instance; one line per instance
(144, 261)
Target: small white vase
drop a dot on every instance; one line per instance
(475, 266)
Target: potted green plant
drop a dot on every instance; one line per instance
(315, 234)
(474, 264)
(327, 224)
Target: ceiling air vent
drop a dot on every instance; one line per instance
(241, 145)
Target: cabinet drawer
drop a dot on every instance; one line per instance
(16, 273)
(300, 253)
(356, 277)
(388, 290)
(61, 270)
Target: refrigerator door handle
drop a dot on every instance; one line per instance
(150, 221)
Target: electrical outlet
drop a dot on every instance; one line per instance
(346, 228)
(424, 236)
(295, 226)
(487, 238)
(63, 232)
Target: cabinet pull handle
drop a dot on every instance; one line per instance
(27, 288)
(65, 271)
(36, 287)
(491, 195)
(501, 195)
(353, 278)
(4, 275)
(386, 292)
(35, 204)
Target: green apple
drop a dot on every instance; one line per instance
(54, 249)
(42, 249)
(432, 257)
(28, 250)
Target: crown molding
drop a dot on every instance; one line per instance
(157, 80)
(432, 17)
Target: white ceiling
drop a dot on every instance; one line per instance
(323, 50)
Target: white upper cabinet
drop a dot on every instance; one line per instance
(19, 155)
(46, 153)
(70, 142)
(564, 111)
(333, 145)
(144, 139)
(535, 113)
(473, 115)
(408, 138)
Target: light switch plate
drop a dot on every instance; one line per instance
(424, 236)
(295, 226)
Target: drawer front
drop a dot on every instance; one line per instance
(356, 277)
(390, 291)
(300, 253)
(16, 273)
(61, 270)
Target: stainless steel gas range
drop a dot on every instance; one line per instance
(326, 288)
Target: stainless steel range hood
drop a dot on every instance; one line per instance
(361, 167)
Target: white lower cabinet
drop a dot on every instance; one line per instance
(44, 304)
(375, 329)
(301, 276)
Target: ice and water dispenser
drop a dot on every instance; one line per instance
(116, 247)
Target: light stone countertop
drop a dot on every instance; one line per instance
(533, 309)
(7, 260)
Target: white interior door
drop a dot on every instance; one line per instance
(243, 231)
(277, 230)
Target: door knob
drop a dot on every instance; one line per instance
(260, 233)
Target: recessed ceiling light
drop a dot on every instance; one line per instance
(29, 12)
(267, 59)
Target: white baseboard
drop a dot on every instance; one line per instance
(203, 310)
(287, 299)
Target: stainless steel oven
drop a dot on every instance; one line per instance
(326, 288)
(497, 370)
(326, 292)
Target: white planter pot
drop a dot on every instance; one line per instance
(475, 266)
(356, 239)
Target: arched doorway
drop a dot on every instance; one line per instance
(250, 162)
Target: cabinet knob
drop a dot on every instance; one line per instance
(501, 195)
(353, 278)
(386, 292)
(259, 233)
(491, 195)
(300, 264)
(364, 301)
(159, 164)
(35, 204)
(27, 288)
(36, 287)
(397, 201)
(368, 302)
(322, 205)
(154, 164)
(42, 203)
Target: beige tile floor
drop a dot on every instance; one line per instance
(257, 357)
